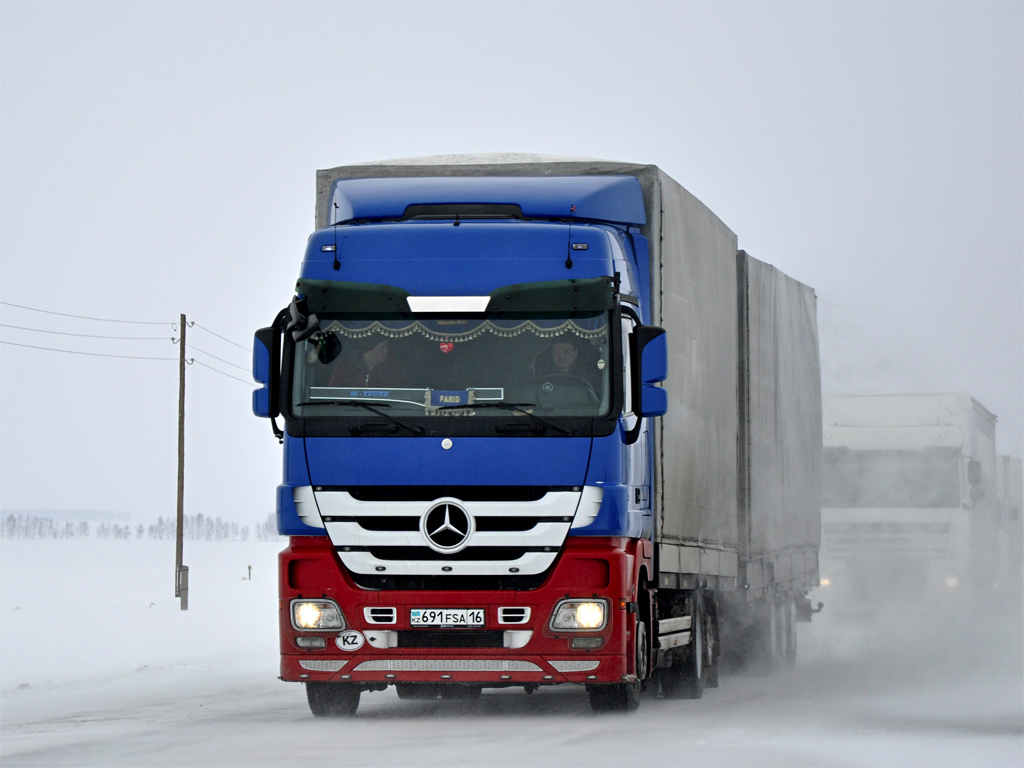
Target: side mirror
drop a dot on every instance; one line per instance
(652, 351)
(648, 348)
(652, 345)
(261, 373)
(974, 472)
(266, 369)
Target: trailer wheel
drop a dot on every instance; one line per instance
(332, 699)
(418, 691)
(714, 648)
(625, 697)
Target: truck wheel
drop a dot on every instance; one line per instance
(625, 697)
(332, 699)
(691, 672)
(789, 632)
(417, 691)
(686, 679)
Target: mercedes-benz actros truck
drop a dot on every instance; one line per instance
(542, 423)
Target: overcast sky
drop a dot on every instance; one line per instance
(159, 158)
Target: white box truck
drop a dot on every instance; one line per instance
(910, 503)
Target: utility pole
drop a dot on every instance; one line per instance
(181, 571)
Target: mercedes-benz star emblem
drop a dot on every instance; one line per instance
(446, 526)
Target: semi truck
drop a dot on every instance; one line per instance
(910, 505)
(542, 423)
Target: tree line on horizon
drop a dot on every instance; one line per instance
(196, 527)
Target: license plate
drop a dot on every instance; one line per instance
(446, 617)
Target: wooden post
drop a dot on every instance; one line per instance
(181, 571)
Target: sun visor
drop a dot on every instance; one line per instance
(339, 297)
(591, 295)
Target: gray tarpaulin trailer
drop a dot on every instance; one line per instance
(735, 481)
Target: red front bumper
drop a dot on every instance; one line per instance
(587, 568)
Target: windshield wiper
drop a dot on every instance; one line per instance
(517, 407)
(372, 408)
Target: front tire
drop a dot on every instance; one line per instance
(625, 697)
(332, 699)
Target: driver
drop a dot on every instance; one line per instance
(563, 358)
(564, 354)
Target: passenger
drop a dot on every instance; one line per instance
(369, 365)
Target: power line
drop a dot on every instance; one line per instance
(82, 317)
(91, 354)
(197, 362)
(229, 341)
(197, 349)
(87, 335)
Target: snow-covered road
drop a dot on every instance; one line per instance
(100, 668)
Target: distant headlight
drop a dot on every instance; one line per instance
(580, 615)
(825, 582)
(317, 615)
(952, 581)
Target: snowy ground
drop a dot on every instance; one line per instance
(98, 666)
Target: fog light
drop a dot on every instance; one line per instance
(310, 642)
(586, 643)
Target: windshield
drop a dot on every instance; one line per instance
(928, 478)
(527, 369)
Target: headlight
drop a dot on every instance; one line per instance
(317, 615)
(952, 581)
(580, 615)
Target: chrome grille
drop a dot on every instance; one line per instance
(318, 665)
(384, 536)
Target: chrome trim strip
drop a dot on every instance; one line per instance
(448, 303)
(529, 564)
(447, 665)
(322, 665)
(574, 666)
